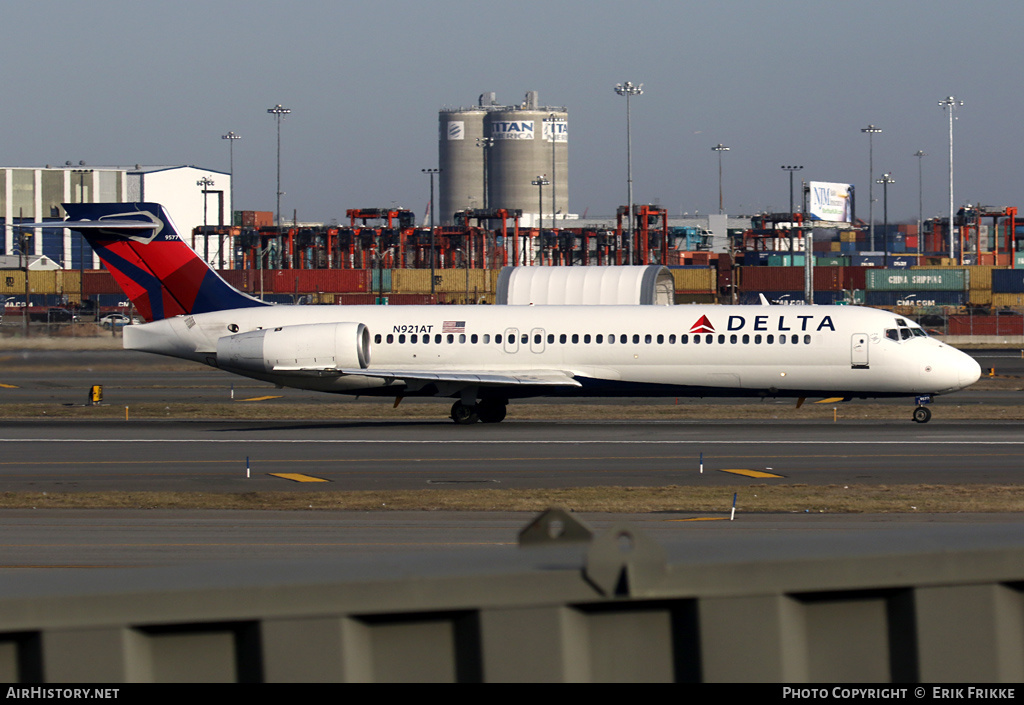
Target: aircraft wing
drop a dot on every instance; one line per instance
(486, 378)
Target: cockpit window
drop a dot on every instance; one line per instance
(919, 332)
(906, 334)
(892, 334)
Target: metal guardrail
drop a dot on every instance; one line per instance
(566, 606)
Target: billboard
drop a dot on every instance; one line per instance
(830, 202)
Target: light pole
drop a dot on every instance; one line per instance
(430, 173)
(540, 182)
(628, 89)
(485, 143)
(81, 249)
(885, 181)
(553, 121)
(871, 131)
(206, 182)
(791, 169)
(720, 148)
(278, 112)
(950, 105)
(231, 137)
(920, 199)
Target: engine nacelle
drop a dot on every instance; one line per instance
(311, 346)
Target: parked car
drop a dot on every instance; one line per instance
(117, 320)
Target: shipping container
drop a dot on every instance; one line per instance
(791, 298)
(99, 281)
(701, 280)
(1014, 300)
(917, 280)
(310, 281)
(985, 325)
(916, 298)
(417, 281)
(1007, 281)
(12, 281)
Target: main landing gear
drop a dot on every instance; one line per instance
(923, 414)
(484, 411)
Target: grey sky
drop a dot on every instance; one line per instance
(778, 81)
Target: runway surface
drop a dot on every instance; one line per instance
(247, 456)
(241, 456)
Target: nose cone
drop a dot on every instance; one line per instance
(969, 370)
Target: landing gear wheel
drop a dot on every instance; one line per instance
(464, 415)
(491, 411)
(922, 414)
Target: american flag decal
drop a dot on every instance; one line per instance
(453, 327)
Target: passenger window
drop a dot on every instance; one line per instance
(684, 339)
(575, 338)
(451, 338)
(551, 338)
(770, 339)
(586, 339)
(462, 337)
(413, 338)
(672, 339)
(733, 338)
(487, 338)
(390, 338)
(708, 338)
(401, 339)
(807, 340)
(623, 339)
(524, 338)
(377, 339)
(497, 338)
(473, 339)
(636, 339)
(647, 338)
(562, 339)
(599, 339)
(757, 339)
(795, 339)
(721, 339)
(696, 339)
(536, 338)
(746, 339)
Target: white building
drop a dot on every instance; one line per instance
(35, 194)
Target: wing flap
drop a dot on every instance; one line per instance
(486, 378)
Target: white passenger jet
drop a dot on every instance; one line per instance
(484, 356)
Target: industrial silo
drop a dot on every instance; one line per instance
(529, 141)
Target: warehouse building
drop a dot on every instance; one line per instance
(35, 194)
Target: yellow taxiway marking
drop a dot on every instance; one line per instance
(751, 473)
(297, 477)
(259, 398)
(8, 386)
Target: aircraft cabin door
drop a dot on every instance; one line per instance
(859, 351)
(537, 340)
(511, 340)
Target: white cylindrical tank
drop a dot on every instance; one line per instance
(529, 143)
(461, 162)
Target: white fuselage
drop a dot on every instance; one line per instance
(609, 350)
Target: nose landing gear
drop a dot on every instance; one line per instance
(923, 414)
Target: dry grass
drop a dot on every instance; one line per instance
(755, 498)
